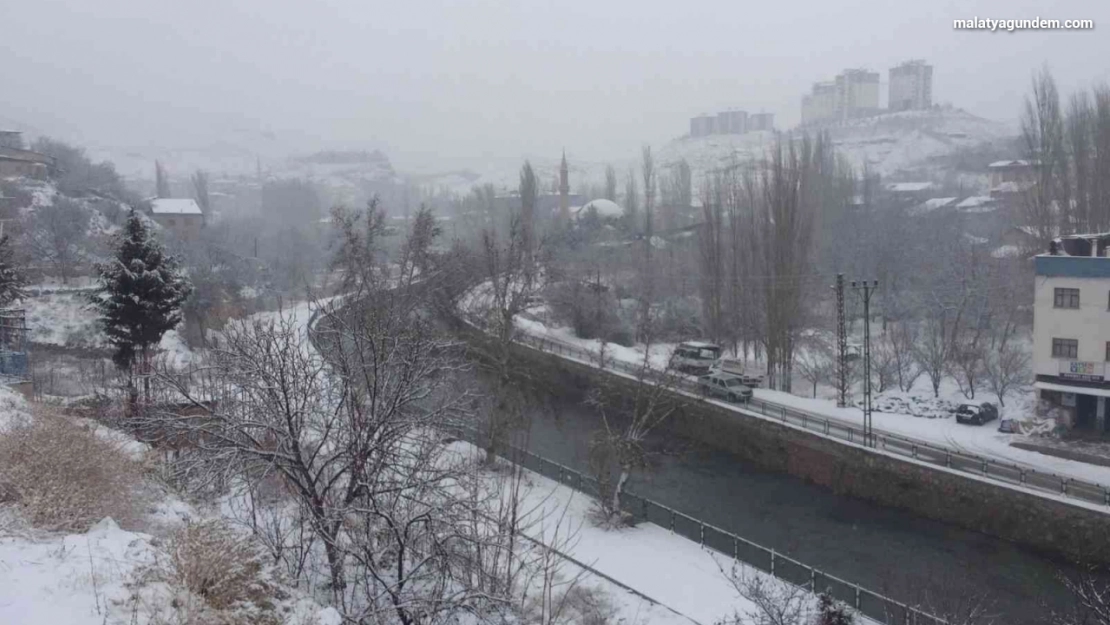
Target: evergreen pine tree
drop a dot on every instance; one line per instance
(12, 279)
(142, 291)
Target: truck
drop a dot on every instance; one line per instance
(695, 357)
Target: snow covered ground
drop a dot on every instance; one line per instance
(678, 573)
(63, 318)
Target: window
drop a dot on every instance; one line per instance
(1107, 351)
(1066, 298)
(1065, 348)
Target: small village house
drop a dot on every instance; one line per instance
(180, 216)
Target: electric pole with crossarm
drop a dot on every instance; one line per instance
(867, 287)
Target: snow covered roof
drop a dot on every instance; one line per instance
(931, 205)
(981, 202)
(909, 187)
(1015, 163)
(700, 344)
(605, 209)
(175, 206)
(1006, 251)
(1011, 186)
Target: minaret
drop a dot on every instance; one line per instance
(564, 191)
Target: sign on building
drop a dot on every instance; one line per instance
(1083, 371)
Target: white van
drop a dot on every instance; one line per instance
(695, 356)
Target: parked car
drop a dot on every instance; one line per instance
(1008, 426)
(695, 356)
(976, 415)
(736, 367)
(725, 386)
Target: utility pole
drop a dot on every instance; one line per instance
(868, 288)
(841, 345)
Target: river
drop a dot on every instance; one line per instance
(909, 558)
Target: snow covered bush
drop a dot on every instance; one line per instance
(225, 570)
(65, 476)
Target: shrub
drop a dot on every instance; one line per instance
(216, 576)
(66, 477)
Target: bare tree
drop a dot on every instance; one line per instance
(620, 445)
(934, 350)
(200, 191)
(1006, 368)
(56, 234)
(631, 201)
(793, 188)
(902, 340)
(713, 246)
(528, 193)
(610, 183)
(774, 601)
(512, 286)
(1043, 134)
(814, 362)
(1090, 597)
(647, 269)
(161, 180)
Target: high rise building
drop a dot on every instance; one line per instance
(732, 122)
(820, 104)
(761, 121)
(857, 93)
(911, 86)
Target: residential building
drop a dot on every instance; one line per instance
(732, 122)
(819, 105)
(11, 139)
(15, 163)
(1071, 328)
(853, 93)
(182, 217)
(1019, 172)
(703, 125)
(911, 86)
(761, 121)
(857, 93)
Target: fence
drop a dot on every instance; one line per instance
(924, 451)
(868, 603)
(15, 359)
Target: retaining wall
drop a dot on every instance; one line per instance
(1054, 527)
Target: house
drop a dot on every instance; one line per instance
(1016, 171)
(1071, 328)
(16, 162)
(180, 216)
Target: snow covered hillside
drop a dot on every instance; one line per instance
(888, 144)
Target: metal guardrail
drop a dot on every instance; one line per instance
(867, 602)
(930, 453)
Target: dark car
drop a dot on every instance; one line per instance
(726, 386)
(976, 415)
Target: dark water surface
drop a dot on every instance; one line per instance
(890, 551)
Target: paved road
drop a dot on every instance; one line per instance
(991, 465)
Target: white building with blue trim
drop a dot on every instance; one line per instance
(1071, 327)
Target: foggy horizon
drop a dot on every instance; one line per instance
(433, 83)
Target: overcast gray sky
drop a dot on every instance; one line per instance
(432, 80)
